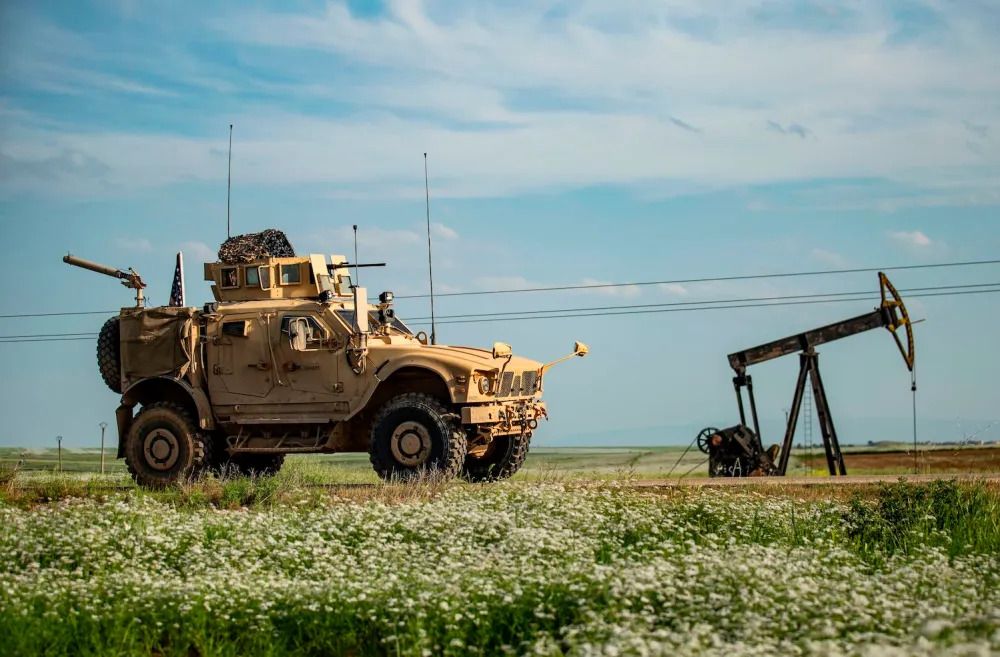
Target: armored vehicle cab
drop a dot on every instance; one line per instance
(291, 357)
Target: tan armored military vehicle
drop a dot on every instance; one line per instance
(292, 358)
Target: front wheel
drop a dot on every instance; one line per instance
(414, 435)
(503, 457)
(164, 446)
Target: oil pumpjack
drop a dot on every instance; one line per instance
(738, 451)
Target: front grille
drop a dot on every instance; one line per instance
(506, 383)
(518, 384)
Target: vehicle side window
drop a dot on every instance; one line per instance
(236, 328)
(291, 274)
(316, 335)
(230, 277)
(252, 277)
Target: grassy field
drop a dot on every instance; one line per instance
(586, 462)
(557, 567)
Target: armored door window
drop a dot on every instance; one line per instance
(315, 334)
(238, 328)
(291, 274)
(252, 277)
(230, 277)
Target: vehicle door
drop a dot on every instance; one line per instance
(313, 374)
(238, 361)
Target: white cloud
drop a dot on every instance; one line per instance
(138, 244)
(505, 283)
(510, 101)
(829, 258)
(622, 291)
(444, 232)
(198, 252)
(913, 239)
(673, 288)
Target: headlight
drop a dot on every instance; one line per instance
(485, 385)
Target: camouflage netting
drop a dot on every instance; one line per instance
(254, 246)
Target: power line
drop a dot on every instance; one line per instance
(865, 293)
(722, 307)
(584, 312)
(716, 279)
(84, 312)
(52, 339)
(47, 335)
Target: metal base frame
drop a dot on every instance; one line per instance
(808, 368)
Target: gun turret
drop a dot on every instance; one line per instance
(130, 278)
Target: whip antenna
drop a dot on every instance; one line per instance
(229, 181)
(430, 268)
(357, 276)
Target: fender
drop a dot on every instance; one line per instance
(162, 388)
(387, 368)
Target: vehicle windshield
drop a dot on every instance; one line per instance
(348, 316)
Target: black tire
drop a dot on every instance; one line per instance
(109, 354)
(253, 465)
(504, 457)
(423, 421)
(164, 446)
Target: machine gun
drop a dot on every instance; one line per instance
(738, 451)
(130, 279)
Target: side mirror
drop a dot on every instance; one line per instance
(360, 310)
(501, 350)
(298, 331)
(579, 349)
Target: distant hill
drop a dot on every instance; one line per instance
(854, 431)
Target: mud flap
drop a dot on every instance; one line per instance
(124, 416)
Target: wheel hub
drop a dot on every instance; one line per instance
(410, 443)
(161, 449)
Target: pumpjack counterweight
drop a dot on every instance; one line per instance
(738, 451)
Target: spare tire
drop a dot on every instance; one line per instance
(109, 359)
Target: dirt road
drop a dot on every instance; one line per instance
(849, 480)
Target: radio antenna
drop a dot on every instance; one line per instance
(357, 276)
(430, 267)
(229, 182)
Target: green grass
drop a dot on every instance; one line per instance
(543, 463)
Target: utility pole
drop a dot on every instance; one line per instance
(103, 427)
(59, 440)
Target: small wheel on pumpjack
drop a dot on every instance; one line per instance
(415, 435)
(164, 446)
(501, 459)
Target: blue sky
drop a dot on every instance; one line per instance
(568, 143)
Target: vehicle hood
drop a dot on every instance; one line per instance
(475, 358)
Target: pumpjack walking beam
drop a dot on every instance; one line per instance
(891, 315)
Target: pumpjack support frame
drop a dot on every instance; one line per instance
(891, 314)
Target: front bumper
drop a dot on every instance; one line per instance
(506, 417)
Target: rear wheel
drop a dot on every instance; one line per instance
(502, 458)
(109, 354)
(164, 446)
(414, 435)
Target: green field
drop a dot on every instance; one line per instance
(273, 567)
(542, 462)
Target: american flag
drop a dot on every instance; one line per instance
(177, 290)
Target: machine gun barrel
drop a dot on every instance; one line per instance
(128, 278)
(93, 266)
